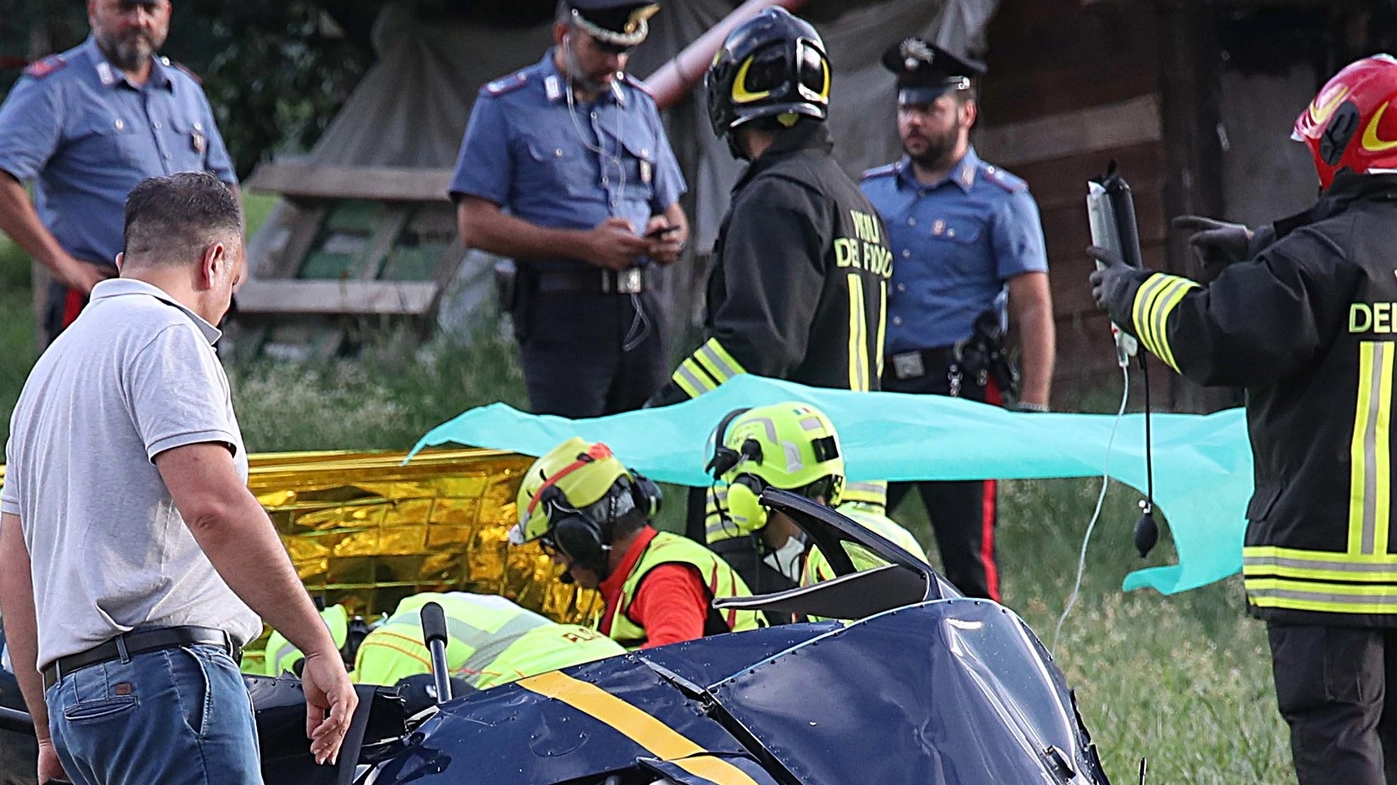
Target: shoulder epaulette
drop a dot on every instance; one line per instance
(880, 171)
(1002, 178)
(168, 63)
(637, 84)
(506, 84)
(42, 68)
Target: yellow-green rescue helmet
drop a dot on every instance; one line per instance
(792, 446)
(572, 477)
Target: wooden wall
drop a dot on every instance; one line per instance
(1071, 86)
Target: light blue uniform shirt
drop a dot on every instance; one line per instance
(523, 152)
(955, 243)
(87, 136)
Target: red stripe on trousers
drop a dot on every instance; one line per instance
(987, 510)
(72, 306)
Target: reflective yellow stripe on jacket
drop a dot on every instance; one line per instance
(859, 371)
(1320, 580)
(1362, 579)
(709, 366)
(1155, 300)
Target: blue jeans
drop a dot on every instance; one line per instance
(172, 716)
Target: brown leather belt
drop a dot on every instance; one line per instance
(139, 642)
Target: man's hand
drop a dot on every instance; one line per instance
(50, 768)
(666, 240)
(1108, 281)
(330, 703)
(613, 244)
(1215, 243)
(80, 275)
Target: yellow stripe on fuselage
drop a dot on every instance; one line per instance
(645, 730)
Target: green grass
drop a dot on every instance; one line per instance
(256, 208)
(385, 399)
(17, 350)
(1184, 680)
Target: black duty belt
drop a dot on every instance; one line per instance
(594, 281)
(139, 642)
(917, 363)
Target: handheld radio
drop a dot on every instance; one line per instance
(1111, 214)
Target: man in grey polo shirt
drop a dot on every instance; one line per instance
(133, 559)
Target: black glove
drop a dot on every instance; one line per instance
(1108, 283)
(1216, 244)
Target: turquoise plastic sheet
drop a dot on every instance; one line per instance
(1203, 468)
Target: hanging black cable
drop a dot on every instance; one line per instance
(1146, 530)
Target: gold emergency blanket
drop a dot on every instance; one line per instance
(365, 530)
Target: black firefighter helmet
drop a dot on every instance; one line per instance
(771, 65)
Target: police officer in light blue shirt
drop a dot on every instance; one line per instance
(968, 255)
(86, 126)
(565, 168)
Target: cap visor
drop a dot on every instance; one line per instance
(920, 95)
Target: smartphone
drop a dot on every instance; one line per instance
(663, 231)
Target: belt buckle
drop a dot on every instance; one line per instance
(908, 365)
(630, 281)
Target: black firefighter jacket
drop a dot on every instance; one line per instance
(1307, 328)
(800, 277)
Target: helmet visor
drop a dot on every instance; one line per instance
(770, 72)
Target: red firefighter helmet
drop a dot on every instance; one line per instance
(1349, 126)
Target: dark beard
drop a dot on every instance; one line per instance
(939, 153)
(128, 54)
(577, 77)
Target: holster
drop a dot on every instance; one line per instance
(511, 289)
(983, 355)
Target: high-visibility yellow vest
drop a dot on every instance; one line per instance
(490, 641)
(281, 655)
(817, 567)
(719, 580)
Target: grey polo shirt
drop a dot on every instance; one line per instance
(134, 376)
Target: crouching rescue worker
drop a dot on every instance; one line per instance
(1300, 314)
(490, 641)
(592, 515)
(794, 447)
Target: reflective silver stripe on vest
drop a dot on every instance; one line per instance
(485, 645)
(500, 640)
(1335, 565)
(1359, 601)
(281, 654)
